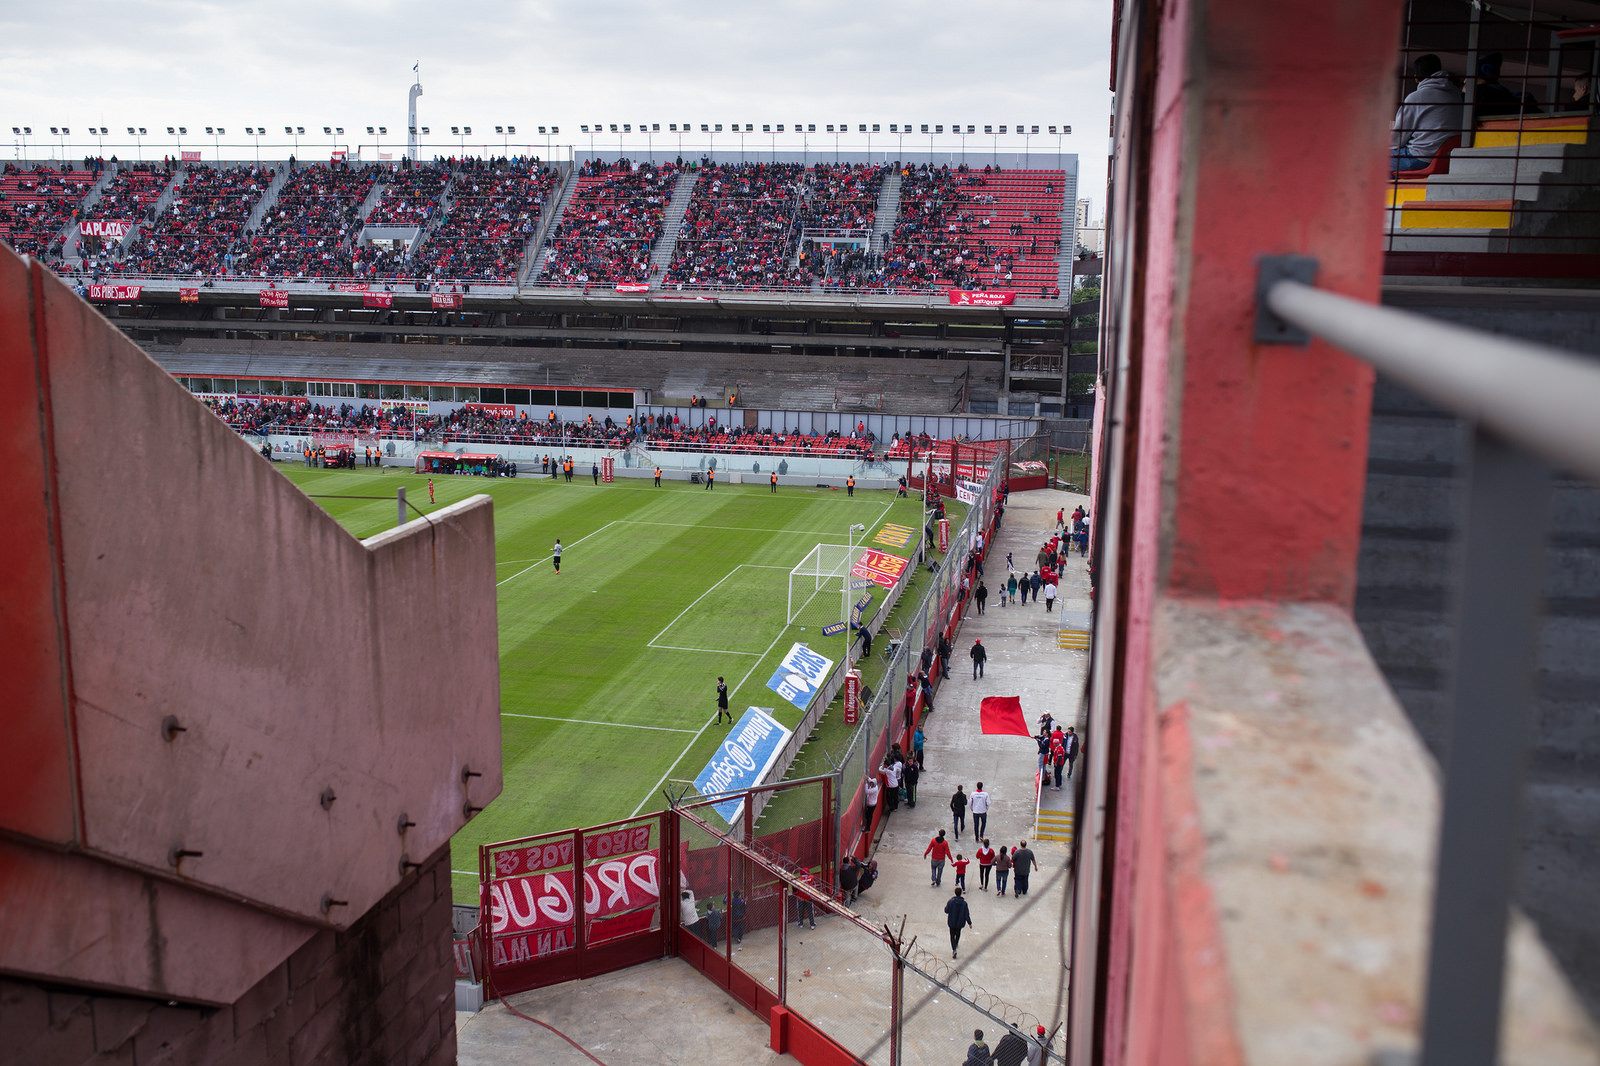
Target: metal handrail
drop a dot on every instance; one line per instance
(1548, 407)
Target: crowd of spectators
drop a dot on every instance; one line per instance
(197, 233)
(484, 425)
(311, 229)
(842, 198)
(740, 228)
(612, 223)
(494, 210)
(37, 203)
(937, 238)
(411, 195)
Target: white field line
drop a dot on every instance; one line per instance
(592, 721)
(740, 529)
(708, 651)
(547, 558)
(701, 731)
(652, 641)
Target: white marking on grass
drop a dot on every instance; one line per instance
(652, 641)
(709, 651)
(547, 558)
(701, 731)
(593, 721)
(465, 873)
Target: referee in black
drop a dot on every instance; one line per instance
(722, 701)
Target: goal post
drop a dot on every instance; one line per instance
(819, 586)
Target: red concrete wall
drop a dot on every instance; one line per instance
(1244, 128)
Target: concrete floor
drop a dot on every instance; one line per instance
(1013, 959)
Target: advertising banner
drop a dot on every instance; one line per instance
(274, 298)
(190, 157)
(633, 286)
(944, 535)
(188, 296)
(534, 915)
(377, 299)
(894, 535)
(115, 292)
(981, 298)
(852, 697)
(967, 491)
(608, 469)
(350, 286)
(447, 300)
(111, 229)
(800, 675)
(743, 759)
(499, 410)
(880, 568)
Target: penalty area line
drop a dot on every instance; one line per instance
(593, 721)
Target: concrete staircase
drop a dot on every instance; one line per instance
(69, 247)
(373, 196)
(539, 250)
(672, 225)
(280, 177)
(888, 213)
(553, 205)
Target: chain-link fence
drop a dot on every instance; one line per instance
(941, 1012)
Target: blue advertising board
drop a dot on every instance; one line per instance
(800, 675)
(751, 747)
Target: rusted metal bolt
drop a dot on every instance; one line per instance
(406, 866)
(469, 810)
(178, 854)
(468, 773)
(327, 799)
(406, 823)
(170, 728)
(328, 903)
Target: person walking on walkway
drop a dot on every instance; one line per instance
(1070, 743)
(985, 857)
(1011, 587)
(980, 655)
(1058, 756)
(978, 1053)
(1002, 870)
(982, 596)
(979, 804)
(958, 809)
(1043, 740)
(1024, 863)
(938, 853)
(957, 917)
(1035, 584)
(1023, 586)
(1049, 595)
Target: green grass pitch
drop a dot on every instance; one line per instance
(608, 671)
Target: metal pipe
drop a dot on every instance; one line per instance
(1537, 397)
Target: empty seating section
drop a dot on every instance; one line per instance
(494, 211)
(410, 196)
(310, 230)
(976, 229)
(197, 233)
(611, 224)
(740, 230)
(36, 204)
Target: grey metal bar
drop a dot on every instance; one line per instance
(1497, 640)
(1537, 397)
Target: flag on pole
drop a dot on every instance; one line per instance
(1003, 715)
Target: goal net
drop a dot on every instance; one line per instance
(818, 586)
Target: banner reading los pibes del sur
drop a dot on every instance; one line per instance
(800, 675)
(742, 759)
(880, 568)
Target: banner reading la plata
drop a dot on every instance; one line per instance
(880, 568)
(742, 760)
(800, 675)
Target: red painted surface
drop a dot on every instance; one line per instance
(793, 1035)
(1240, 476)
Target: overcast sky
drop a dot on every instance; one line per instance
(233, 63)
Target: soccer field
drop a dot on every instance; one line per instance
(608, 670)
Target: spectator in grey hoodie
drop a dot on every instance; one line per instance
(1431, 114)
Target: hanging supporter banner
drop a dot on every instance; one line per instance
(967, 492)
(944, 535)
(981, 298)
(188, 296)
(744, 757)
(800, 675)
(191, 157)
(377, 299)
(852, 697)
(534, 916)
(117, 293)
(447, 300)
(403, 405)
(274, 298)
(110, 228)
(633, 286)
(339, 155)
(499, 410)
(350, 286)
(880, 568)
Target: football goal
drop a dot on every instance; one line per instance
(819, 586)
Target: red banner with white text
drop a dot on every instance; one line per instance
(190, 157)
(880, 568)
(446, 300)
(274, 298)
(350, 286)
(633, 286)
(110, 228)
(115, 292)
(533, 915)
(377, 299)
(188, 296)
(981, 298)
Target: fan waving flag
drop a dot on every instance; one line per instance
(1003, 715)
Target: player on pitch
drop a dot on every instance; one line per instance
(430, 492)
(555, 555)
(722, 700)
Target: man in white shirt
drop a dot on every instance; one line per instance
(891, 781)
(978, 807)
(871, 801)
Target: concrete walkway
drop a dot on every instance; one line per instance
(1016, 949)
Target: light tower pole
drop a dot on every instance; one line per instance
(411, 111)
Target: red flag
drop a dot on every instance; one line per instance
(1003, 715)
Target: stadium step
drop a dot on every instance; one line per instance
(1059, 826)
(549, 214)
(541, 253)
(1510, 132)
(888, 212)
(1072, 639)
(672, 225)
(1456, 214)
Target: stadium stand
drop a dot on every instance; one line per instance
(492, 212)
(310, 231)
(411, 195)
(976, 229)
(37, 203)
(611, 224)
(198, 231)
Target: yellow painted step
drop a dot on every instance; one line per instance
(1456, 214)
(1055, 837)
(1077, 639)
(1405, 193)
(1057, 816)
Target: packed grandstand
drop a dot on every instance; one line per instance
(716, 225)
